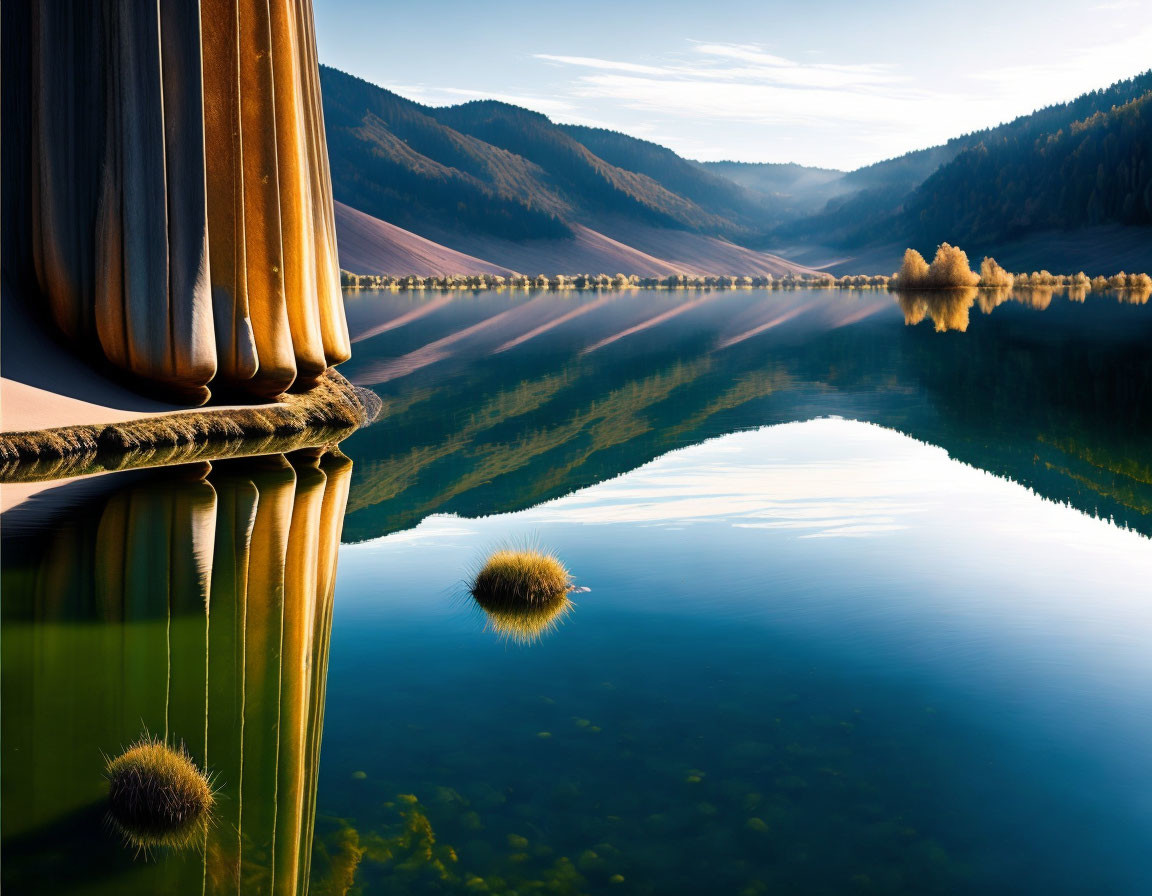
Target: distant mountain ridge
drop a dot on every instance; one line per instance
(503, 187)
(509, 186)
(497, 170)
(788, 190)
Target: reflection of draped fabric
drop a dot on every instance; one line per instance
(201, 609)
(167, 187)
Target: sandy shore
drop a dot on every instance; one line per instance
(61, 417)
(43, 385)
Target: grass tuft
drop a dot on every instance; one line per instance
(524, 593)
(157, 796)
(517, 578)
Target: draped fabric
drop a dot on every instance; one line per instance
(167, 188)
(198, 607)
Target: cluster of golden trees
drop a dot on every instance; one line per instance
(950, 270)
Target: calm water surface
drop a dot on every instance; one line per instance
(868, 611)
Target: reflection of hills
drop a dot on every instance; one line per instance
(1056, 399)
(198, 607)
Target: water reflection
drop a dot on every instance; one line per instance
(193, 603)
(818, 658)
(947, 308)
(512, 409)
(524, 623)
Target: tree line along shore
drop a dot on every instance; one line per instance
(949, 269)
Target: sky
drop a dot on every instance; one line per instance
(832, 83)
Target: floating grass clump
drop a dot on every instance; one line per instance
(524, 593)
(157, 796)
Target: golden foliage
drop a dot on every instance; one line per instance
(949, 270)
(993, 276)
(157, 796)
(518, 578)
(524, 593)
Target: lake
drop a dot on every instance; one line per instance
(868, 610)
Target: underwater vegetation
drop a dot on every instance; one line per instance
(405, 856)
(524, 593)
(157, 796)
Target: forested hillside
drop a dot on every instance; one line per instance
(1095, 171)
(394, 160)
(716, 194)
(786, 190)
(492, 169)
(1026, 175)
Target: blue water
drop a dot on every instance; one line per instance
(865, 607)
(816, 658)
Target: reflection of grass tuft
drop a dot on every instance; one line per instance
(157, 796)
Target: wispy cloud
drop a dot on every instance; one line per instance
(711, 82)
(725, 64)
(873, 109)
(820, 83)
(603, 64)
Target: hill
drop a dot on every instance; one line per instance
(787, 190)
(487, 168)
(1035, 173)
(371, 246)
(1094, 171)
(392, 159)
(718, 195)
(492, 185)
(485, 187)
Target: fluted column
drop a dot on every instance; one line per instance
(174, 202)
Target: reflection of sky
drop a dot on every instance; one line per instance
(842, 524)
(821, 478)
(847, 556)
